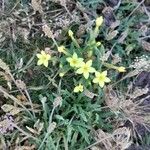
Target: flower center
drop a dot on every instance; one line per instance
(101, 78)
(74, 61)
(44, 58)
(85, 69)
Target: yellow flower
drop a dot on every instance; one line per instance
(43, 58)
(61, 49)
(78, 88)
(70, 33)
(85, 69)
(121, 69)
(99, 21)
(74, 60)
(101, 78)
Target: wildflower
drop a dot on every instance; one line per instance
(70, 33)
(43, 58)
(86, 68)
(121, 69)
(74, 60)
(101, 78)
(61, 49)
(78, 88)
(99, 21)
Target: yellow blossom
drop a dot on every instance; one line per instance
(101, 78)
(43, 58)
(99, 21)
(61, 49)
(70, 33)
(86, 69)
(74, 60)
(121, 69)
(78, 88)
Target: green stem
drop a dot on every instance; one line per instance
(31, 104)
(54, 41)
(75, 42)
(48, 133)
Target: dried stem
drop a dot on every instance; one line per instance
(136, 8)
(29, 98)
(22, 131)
(2, 90)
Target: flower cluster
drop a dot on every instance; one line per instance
(83, 65)
(43, 58)
(85, 69)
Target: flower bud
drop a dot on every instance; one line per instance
(99, 21)
(121, 69)
(70, 33)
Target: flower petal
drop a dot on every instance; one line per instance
(97, 74)
(101, 84)
(69, 59)
(107, 80)
(76, 89)
(43, 53)
(39, 56)
(104, 73)
(40, 62)
(95, 80)
(81, 89)
(79, 71)
(72, 63)
(86, 75)
(46, 63)
(89, 63)
(75, 55)
(48, 57)
(91, 70)
(82, 63)
(80, 60)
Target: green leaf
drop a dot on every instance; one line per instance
(84, 133)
